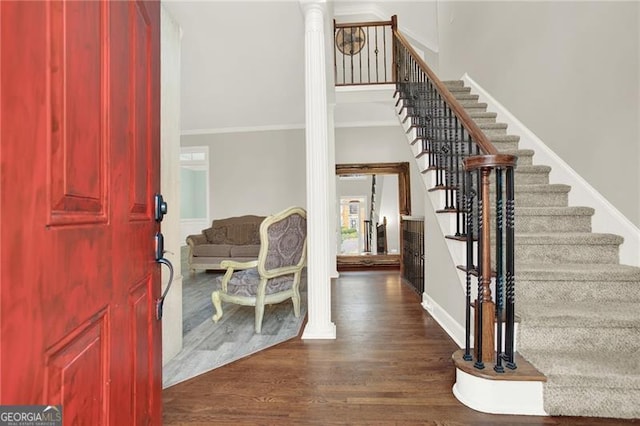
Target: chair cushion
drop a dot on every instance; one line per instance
(212, 250)
(245, 251)
(245, 283)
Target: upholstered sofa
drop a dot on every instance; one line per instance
(234, 238)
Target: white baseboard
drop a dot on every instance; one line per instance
(446, 321)
(607, 218)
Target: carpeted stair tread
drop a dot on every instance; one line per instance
(493, 126)
(578, 272)
(568, 238)
(581, 314)
(544, 187)
(534, 168)
(459, 89)
(453, 83)
(609, 369)
(504, 138)
(472, 104)
(553, 211)
(464, 96)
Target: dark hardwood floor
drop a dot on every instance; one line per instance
(390, 364)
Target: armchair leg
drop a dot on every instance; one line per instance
(217, 303)
(259, 316)
(296, 304)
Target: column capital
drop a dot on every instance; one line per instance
(309, 5)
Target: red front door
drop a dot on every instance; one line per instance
(79, 151)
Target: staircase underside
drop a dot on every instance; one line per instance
(578, 307)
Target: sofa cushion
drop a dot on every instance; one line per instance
(250, 250)
(212, 250)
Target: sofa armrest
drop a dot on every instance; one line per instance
(196, 239)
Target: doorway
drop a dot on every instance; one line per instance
(377, 194)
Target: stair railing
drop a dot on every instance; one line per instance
(362, 53)
(463, 160)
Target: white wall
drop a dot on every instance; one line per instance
(380, 145)
(257, 173)
(417, 20)
(568, 70)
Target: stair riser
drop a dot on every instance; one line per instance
(579, 401)
(484, 120)
(533, 224)
(525, 160)
(535, 292)
(538, 199)
(577, 339)
(506, 145)
(558, 253)
(460, 96)
(526, 178)
(474, 107)
(494, 132)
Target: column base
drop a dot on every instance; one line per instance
(319, 331)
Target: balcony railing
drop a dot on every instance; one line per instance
(363, 53)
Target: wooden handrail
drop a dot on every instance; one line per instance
(478, 136)
(489, 161)
(362, 24)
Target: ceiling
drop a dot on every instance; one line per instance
(243, 61)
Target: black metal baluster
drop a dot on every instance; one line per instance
(459, 185)
(510, 270)
(469, 195)
(499, 272)
(479, 364)
(369, 57)
(360, 58)
(384, 55)
(351, 29)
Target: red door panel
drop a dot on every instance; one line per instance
(79, 155)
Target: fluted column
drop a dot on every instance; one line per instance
(319, 325)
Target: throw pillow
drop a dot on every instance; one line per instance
(216, 235)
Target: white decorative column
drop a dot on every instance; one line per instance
(319, 325)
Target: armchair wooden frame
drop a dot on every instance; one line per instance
(261, 298)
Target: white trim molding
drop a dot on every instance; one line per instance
(607, 218)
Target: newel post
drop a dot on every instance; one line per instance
(485, 308)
